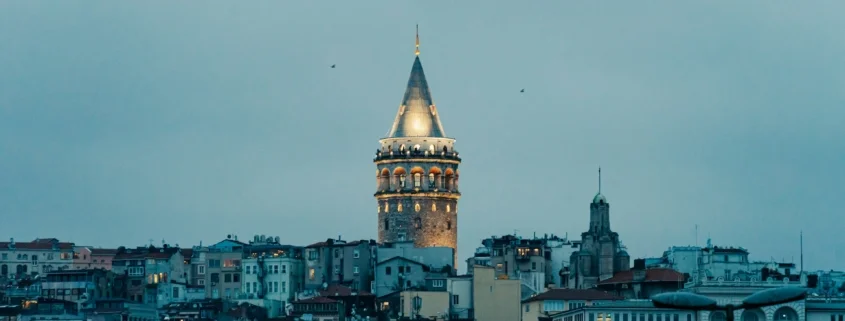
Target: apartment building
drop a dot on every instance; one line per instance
(24, 259)
(340, 262)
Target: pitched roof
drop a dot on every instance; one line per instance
(38, 244)
(103, 252)
(652, 275)
(573, 294)
(425, 267)
(417, 116)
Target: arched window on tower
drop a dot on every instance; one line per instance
(450, 179)
(402, 181)
(418, 223)
(448, 224)
(386, 224)
(417, 180)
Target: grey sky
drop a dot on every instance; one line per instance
(123, 122)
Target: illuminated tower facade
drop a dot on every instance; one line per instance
(417, 172)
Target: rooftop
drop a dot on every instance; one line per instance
(573, 294)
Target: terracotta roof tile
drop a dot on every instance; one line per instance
(103, 252)
(39, 244)
(652, 275)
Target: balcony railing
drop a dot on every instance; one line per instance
(416, 154)
(754, 282)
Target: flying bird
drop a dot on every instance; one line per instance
(333, 66)
(522, 91)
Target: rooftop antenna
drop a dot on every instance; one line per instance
(417, 52)
(802, 252)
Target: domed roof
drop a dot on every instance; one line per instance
(622, 253)
(599, 198)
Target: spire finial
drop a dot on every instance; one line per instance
(418, 41)
(599, 179)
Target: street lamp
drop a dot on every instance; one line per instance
(417, 306)
(697, 302)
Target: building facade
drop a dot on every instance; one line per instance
(272, 275)
(417, 172)
(24, 259)
(494, 299)
(538, 262)
(336, 261)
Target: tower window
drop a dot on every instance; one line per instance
(433, 207)
(399, 207)
(449, 224)
(418, 223)
(431, 180)
(386, 224)
(402, 181)
(417, 180)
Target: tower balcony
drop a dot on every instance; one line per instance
(410, 154)
(418, 192)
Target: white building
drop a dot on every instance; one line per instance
(272, 275)
(19, 259)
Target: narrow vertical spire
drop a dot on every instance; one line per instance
(802, 252)
(599, 179)
(417, 52)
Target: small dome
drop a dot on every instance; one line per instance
(599, 198)
(622, 253)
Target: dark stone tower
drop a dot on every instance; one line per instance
(601, 255)
(417, 173)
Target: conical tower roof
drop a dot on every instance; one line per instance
(417, 116)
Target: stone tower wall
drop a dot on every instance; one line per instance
(424, 212)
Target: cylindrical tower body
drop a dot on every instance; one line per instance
(417, 174)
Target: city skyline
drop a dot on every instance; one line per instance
(121, 123)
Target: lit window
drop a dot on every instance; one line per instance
(417, 180)
(311, 274)
(399, 207)
(417, 207)
(418, 223)
(448, 208)
(433, 207)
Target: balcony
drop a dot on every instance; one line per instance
(408, 154)
(754, 282)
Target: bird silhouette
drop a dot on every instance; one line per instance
(333, 66)
(522, 91)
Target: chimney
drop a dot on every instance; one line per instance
(639, 270)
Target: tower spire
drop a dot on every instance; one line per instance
(599, 179)
(417, 52)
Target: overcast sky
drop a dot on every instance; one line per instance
(122, 122)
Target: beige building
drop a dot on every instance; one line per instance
(433, 305)
(558, 300)
(494, 299)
